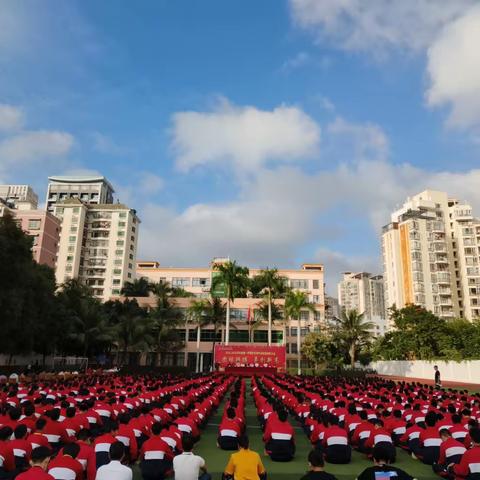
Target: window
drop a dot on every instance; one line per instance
(71, 249)
(34, 224)
(239, 314)
(301, 284)
(293, 331)
(132, 238)
(68, 268)
(119, 252)
(116, 281)
(121, 224)
(130, 266)
(316, 298)
(73, 229)
(293, 348)
(76, 210)
(120, 243)
(200, 282)
(74, 219)
(59, 210)
(117, 271)
(70, 258)
(121, 234)
(72, 239)
(316, 316)
(304, 331)
(316, 284)
(123, 215)
(134, 229)
(117, 262)
(116, 291)
(304, 315)
(131, 256)
(129, 275)
(180, 281)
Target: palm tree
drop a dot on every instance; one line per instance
(354, 331)
(216, 315)
(138, 288)
(163, 291)
(234, 280)
(265, 311)
(198, 314)
(295, 302)
(272, 285)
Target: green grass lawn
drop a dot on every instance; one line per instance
(216, 459)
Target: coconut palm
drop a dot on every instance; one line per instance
(354, 331)
(264, 312)
(296, 302)
(138, 288)
(216, 315)
(163, 291)
(198, 314)
(234, 280)
(272, 285)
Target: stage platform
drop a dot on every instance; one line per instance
(249, 371)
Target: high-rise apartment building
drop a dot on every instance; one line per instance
(309, 278)
(20, 201)
(364, 292)
(98, 245)
(332, 309)
(94, 190)
(431, 253)
(13, 194)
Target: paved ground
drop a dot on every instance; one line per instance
(475, 387)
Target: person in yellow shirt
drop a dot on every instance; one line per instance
(244, 464)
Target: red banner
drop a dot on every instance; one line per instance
(250, 355)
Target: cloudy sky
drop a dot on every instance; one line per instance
(276, 132)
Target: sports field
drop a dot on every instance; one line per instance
(216, 459)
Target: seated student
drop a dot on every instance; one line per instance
(429, 441)
(451, 452)
(316, 465)
(335, 443)
(396, 426)
(39, 462)
(114, 469)
(103, 443)
(279, 438)
(469, 466)
(229, 431)
(188, 466)
(381, 437)
(65, 466)
(21, 447)
(381, 468)
(244, 464)
(156, 456)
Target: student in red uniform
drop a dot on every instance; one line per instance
(279, 438)
(156, 456)
(65, 465)
(21, 447)
(39, 461)
(451, 451)
(229, 431)
(103, 442)
(7, 459)
(380, 436)
(469, 466)
(335, 443)
(430, 441)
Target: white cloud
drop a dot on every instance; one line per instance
(11, 118)
(454, 70)
(34, 146)
(150, 183)
(297, 61)
(377, 26)
(104, 144)
(246, 138)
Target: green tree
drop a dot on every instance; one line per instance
(269, 283)
(234, 279)
(138, 288)
(263, 312)
(319, 349)
(132, 328)
(198, 315)
(296, 302)
(354, 331)
(216, 315)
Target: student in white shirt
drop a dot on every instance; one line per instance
(115, 470)
(188, 466)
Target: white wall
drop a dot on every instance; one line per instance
(464, 371)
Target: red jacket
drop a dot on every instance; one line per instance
(470, 463)
(335, 435)
(156, 449)
(63, 465)
(277, 430)
(35, 473)
(378, 435)
(449, 448)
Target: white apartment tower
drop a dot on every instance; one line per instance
(12, 195)
(431, 253)
(92, 190)
(364, 292)
(98, 245)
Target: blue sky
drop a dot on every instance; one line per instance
(275, 132)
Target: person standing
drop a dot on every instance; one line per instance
(244, 464)
(438, 382)
(188, 466)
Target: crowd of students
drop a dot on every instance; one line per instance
(93, 428)
(96, 427)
